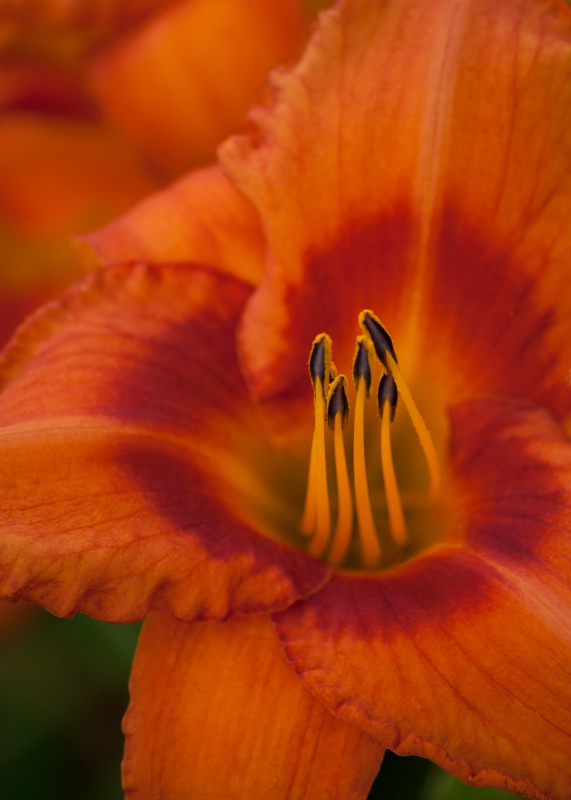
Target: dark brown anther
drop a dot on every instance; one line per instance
(387, 393)
(382, 342)
(362, 364)
(320, 360)
(337, 402)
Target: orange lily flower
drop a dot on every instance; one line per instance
(166, 454)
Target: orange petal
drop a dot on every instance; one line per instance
(179, 85)
(200, 218)
(411, 140)
(463, 655)
(16, 306)
(63, 175)
(122, 423)
(217, 712)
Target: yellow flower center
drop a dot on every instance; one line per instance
(336, 545)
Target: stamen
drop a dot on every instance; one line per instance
(322, 514)
(330, 402)
(384, 349)
(320, 359)
(362, 362)
(382, 342)
(387, 401)
(367, 531)
(387, 395)
(432, 460)
(337, 414)
(337, 403)
(310, 507)
(316, 515)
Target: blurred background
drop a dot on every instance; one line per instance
(63, 691)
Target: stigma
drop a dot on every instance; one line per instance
(355, 523)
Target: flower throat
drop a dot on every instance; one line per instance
(332, 406)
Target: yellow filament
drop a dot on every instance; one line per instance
(322, 516)
(367, 532)
(310, 508)
(397, 522)
(342, 536)
(421, 430)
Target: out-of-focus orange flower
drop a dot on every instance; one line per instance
(164, 453)
(103, 102)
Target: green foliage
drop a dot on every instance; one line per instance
(411, 778)
(441, 786)
(63, 692)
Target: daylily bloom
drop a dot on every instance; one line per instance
(164, 451)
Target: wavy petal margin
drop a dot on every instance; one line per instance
(463, 655)
(221, 714)
(417, 154)
(122, 421)
(199, 218)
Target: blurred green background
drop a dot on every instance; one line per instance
(63, 692)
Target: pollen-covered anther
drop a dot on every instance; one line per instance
(382, 342)
(387, 397)
(362, 363)
(337, 403)
(320, 359)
